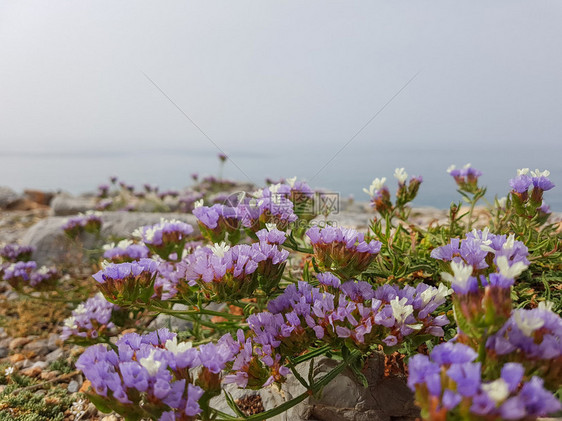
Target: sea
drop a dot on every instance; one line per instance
(345, 173)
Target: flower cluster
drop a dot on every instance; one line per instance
(89, 222)
(16, 253)
(342, 251)
(165, 237)
(533, 338)
(465, 177)
(449, 385)
(126, 283)
(151, 376)
(527, 192)
(304, 314)
(480, 249)
(228, 273)
(22, 273)
(380, 196)
(218, 221)
(272, 205)
(125, 251)
(90, 319)
(18, 274)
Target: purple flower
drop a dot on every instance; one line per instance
(14, 253)
(125, 251)
(342, 251)
(89, 319)
(128, 282)
(145, 369)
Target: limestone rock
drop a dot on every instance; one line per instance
(8, 197)
(65, 204)
(52, 246)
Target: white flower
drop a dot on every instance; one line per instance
(498, 390)
(538, 173)
(108, 246)
(439, 293)
(291, 181)
(80, 309)
(401, 310)
(219, 249)
(175, 348)
(502, 201)
(138, 233)
(376, 185)
(151, 365)
(78, 408)
(70, 322)
(527, 324)
(123, 244)
(466, 166)
(401, 175)
(8, 371)
(258, 193)
(485, 246)
(198, 203)
(507, 271)
(274, 188)
(461, 274)
(270, 226)
(522, 171)
(43, 270)
(105, 264)
(509, 243)
(451, 168)
(546, 305)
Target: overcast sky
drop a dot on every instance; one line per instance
(261, 74)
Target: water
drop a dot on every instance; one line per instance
(347, 174)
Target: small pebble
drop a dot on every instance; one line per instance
(73, 386)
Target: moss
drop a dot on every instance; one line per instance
(28, 406)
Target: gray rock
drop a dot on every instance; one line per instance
(54, 355)
(4, 351)
(53, 341)
(170, 322)
(8, 197)
(65, 204)
(38, 347)
(73, 386)
(41, 364)
(345, 399)
(52, 246)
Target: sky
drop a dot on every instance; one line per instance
(256, 77)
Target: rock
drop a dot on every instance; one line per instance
(73, 386)
(32, 371)
(4, 351)
(54, 355)
(19, 343)
(52, 246)
(38, 196)
(16, 358)
(345, 398)
(65, 204)
(170, 322)
(111, 417)
(38, 347)
(41, 364)
(8, 197)
(53, 341)
(49, 375)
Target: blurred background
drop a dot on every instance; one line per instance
(92, 89)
